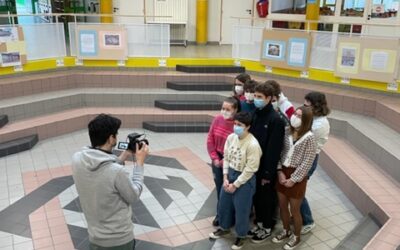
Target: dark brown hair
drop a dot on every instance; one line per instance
(277, 88)
(306, 121)
(318, 102)
(244, 117)
(235, 102)
(250, 86)
(265, 88)
(243, 77)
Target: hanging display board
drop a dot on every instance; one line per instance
(372, 59)
(102, 42)
(12, 46)
(286, 49)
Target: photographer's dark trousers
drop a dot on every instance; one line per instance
(265, 203)
(128, 246)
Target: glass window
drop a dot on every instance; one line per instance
(384, 8)
(327, 7)
(353, 8)
(288, 6)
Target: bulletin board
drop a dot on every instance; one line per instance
(374, 59)
(286, 49)
(102, 42)
(12, 46)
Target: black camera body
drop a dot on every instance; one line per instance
(132, 140)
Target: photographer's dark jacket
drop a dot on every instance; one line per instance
(269, 130)
(106, 191)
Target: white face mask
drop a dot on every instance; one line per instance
(249, 96)
(226, 114)
(275, 105)
(295, 121)
(239, 89)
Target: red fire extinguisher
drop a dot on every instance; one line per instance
(262, 8)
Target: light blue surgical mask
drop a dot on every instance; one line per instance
(259, 103)
(238, 130)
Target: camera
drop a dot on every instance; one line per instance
(132, 140)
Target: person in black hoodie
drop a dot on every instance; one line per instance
(269, 129)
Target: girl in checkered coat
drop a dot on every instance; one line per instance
(297, 158)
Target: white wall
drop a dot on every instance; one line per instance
(135, 7)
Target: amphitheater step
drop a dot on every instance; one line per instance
(188, 105)
(177, 127)
(210, 69)
(360, 235)
(18, 145)
(3, 120)
(200, 86)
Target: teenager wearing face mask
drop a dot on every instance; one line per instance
(220, 128)
(280, 102)
(320, 128)
(297, 158)
(248, 104)
(269, 129)
(238, 87)
(241, 160)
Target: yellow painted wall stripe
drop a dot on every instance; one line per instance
(314, 74)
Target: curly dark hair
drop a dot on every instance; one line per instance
(276, 86)
(265, 88)
(243, 77)
(250, 86)
(318, 103)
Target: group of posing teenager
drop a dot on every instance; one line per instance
(263, 152)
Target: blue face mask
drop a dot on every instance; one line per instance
(259, 103)
(238, 130)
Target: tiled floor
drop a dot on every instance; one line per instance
(38, 198)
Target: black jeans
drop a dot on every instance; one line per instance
(265, 203)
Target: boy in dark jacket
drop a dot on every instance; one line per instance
(269, 129)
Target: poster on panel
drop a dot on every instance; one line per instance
(88, 43)
(348, 58)
(297, 52)
(110, 39)
(9, 34)
(274, 50)
(8, 59)
(379, 60)
(286, 49)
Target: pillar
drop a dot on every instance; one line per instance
(201, 21)
(106, 7)
(312, 13)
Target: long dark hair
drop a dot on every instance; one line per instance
(234, 101)
(306, 121)
(318, 103)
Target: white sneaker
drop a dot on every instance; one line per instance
(307, 228)
(292, 243)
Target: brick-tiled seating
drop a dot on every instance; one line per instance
(17, 145)
(367, 186)
(196, 86)
(3, 120)
(209, 69)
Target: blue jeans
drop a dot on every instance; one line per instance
(218, 180)
(234, 209)
(305, 207)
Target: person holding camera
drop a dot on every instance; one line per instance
(106, 188)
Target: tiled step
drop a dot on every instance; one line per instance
(177, 127)
(68, 121)
(360, 235)
(210, 69)
(369, 188)
(200, 86)
(188, 105)
(3, 120)
(18, 145)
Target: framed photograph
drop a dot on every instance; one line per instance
(10, 59)
(111, 39)
(274, 50)
(8, 34)
(348, 57)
